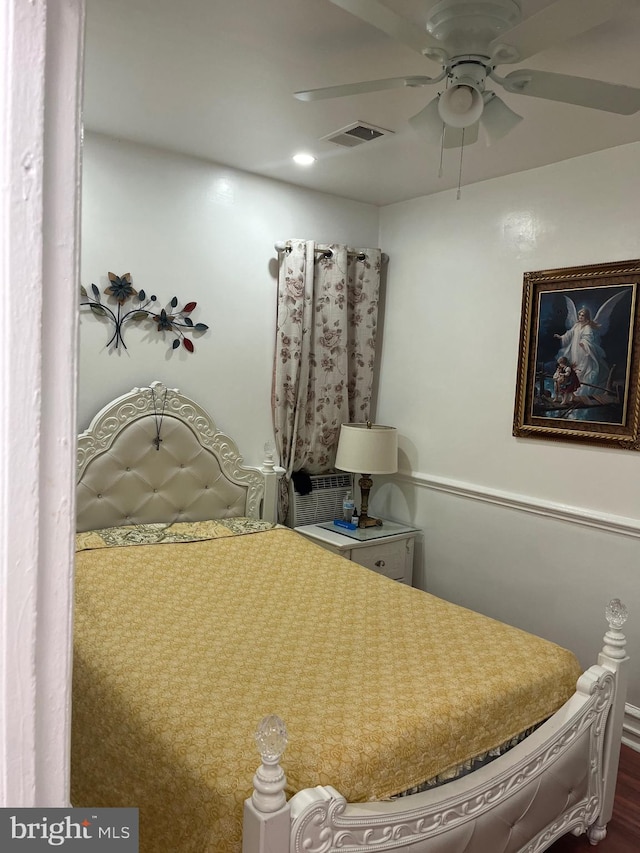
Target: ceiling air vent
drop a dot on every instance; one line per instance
(356, 134)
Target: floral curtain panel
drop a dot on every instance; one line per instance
(325, 349)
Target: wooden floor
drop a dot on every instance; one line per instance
(623, 832)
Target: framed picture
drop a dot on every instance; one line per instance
(578, 366)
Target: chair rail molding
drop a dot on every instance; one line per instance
(510, 500)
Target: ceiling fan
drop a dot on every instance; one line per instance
(470, 38)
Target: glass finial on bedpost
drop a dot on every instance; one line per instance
(271, 737)
(614, 640)
(269, 780)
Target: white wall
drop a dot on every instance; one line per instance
(187, 228)
(449, 360)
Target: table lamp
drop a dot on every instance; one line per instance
(371, 448)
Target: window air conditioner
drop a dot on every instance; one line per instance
(323, 503)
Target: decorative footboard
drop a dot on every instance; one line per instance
(559, 779)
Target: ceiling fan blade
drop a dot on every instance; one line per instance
(552, 25)
(429, 125)
(362, 88)
(581, 91)
(389, 22)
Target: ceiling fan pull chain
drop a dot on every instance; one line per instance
(458, 194)
(440, 169)
(442, 136)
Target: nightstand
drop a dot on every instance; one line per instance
(387, 550)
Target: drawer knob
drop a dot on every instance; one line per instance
(380, 564)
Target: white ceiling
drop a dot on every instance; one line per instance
(214, 79)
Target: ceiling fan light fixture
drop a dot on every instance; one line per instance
(461, 100)
(461, 105)
(497, 119)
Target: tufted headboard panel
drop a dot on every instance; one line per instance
(195, 474)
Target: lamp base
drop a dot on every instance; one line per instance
(365, 482)
(365, 521)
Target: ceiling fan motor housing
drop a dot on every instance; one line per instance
(464, 26)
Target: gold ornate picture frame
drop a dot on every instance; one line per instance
(578, 365)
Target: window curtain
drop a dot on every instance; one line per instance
(323, 374)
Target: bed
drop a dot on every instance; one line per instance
(201, 625)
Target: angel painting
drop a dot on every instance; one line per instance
(582, 356)
(581, 345)
(579, 361)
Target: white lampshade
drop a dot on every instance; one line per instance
(498, 119)
(428, 122)
(367, 449)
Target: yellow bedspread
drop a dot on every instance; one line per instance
(181, 648)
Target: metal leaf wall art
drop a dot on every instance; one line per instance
(136, 307)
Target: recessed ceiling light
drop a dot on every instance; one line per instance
(304, 159)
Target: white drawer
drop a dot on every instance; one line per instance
(392, 556)
(389, 559)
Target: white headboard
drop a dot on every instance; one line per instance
(195, 473)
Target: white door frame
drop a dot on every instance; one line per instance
(41, 51)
